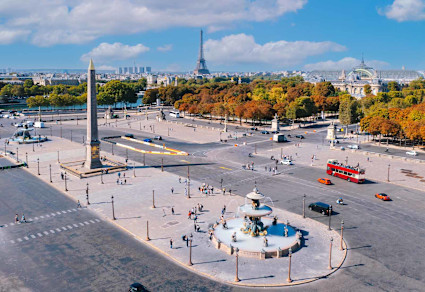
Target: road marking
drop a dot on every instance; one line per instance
(75, 225)
(58, 230)
(87, 223)
(64, 228)
(42, 217)
(184, 161)
(52, 231)
(69, 226)
(69, 211)
(64, 212)
(33, 236)
(39, 234)
(26, 238)
(20, 240)
(11, 224)
(48, 216)
(12, 241)
(58, 213)
(81, 224)
(97, 220)
(5, 225)
(74, 210)
(46, 233)
(92, 221)
(35, 218)
(225, 168)
(53, 214)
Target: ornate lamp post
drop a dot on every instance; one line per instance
(330, 216)
(289, 280)
(330, 254)
(190, 253)
(113, 211)
(147, 231)
(304, 205)
(38, 166)
(342, 235)
(26, 158)
(50, 172)
(237, 265)
(153, 199)
(87, 193)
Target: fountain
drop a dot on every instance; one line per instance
(23, 136)
(256, 234)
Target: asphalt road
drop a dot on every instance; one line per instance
(65, 249)
(385, 238)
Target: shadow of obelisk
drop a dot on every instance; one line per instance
(93, 143)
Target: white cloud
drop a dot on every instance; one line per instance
(242, 49)
(165, 48)
(345, 63)
(79, 21)
(405, 10)
(8, 36)
(106, 52)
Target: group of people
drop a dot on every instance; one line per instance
(122, 180)
(206, 189)
(248, 166)
(23, 220)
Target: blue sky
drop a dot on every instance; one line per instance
(240, 35)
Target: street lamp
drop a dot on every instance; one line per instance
(342, 234)
(330, 254)
(38, 166)
(87, 193)
(147, 231)
(50, 172)
(113, 211)
(190, 253)
(289, 280)
(26, 158)
(304, 205)
(153, 199)
(388, 177)
(101, 177)
(17, 154)
(346, 160)
(330, 215)
(237, 265)
(66, 186)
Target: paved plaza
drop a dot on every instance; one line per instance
(133, 207)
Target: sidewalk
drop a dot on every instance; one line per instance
(133, 202)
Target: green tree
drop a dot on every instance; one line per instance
(28, 83)
(6, 90)
(150, 96)
(36, 101)
(120, 92)
(367, 89)
(348, 110)
(393, 86)
(324, 89)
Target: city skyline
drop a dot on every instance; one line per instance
(284, 35)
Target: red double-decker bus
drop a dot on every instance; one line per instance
(350, 173)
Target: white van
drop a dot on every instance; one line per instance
(175, 114)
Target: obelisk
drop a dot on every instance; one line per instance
(92, 144)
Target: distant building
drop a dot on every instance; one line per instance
(164, 80)
(141, 70)
(148, 69)
(201, 64)
(361, 75)
(120, 70)
(54, 81)
(151, 80)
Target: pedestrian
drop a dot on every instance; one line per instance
(230, 193)
(126, 160)
(212, 190)
(125, 181)
(123, 175)
(16, 218)
(78, 204)
(171, 243)
(23, 218)
(118, 181)
(368, 159)
(189, 216)
(180, 180)
(172, 190)
(119, 174)
(62, 175)
(195, 218)
(164, 212)
(172, 210)
(265, 168)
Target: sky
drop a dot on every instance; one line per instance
(239, 35)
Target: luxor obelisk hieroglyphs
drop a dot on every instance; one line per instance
(93, 158)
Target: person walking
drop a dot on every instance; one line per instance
(23, 220)
(119, 174)
(16, 218)
(180, 180)
(125, 181)
(171, 243)
(172, 190)
(172, 210)
(78, 204)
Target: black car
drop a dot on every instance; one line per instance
(299, 136)
(265, 132)
(137, 287)
(129, 135)
(254, 129)
(320, 207)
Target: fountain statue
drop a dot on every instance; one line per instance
(254, 212)
(23, 136)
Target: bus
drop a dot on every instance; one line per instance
(175, 114)
(350, 173)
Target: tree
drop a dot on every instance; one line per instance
(150, 96)
(348, 110)
(28, 83)
(120, 92)
(393, 86)
(367, 89)
(324, 89)
(6, 90)
(36, 101)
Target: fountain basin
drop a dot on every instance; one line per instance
(278, 244)
(262, 210)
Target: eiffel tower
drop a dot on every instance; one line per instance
(201, 65)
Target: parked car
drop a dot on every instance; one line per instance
(148, 140)
(383, 197)
(354, 146)
(157, 138)
(254, 129)
(265, 132)
(137, 287)
(129, 135)
(286, 162)
(299, 136)
(320, 207)
(275, 132)
(324, 181)
(412, 153)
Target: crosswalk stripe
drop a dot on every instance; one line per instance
(11, 224)
(64, 228)
(58, 213)
(12, 241)
(74, 210)
(81, 224)
(69, 211)
(33, 236)
(26, 238)
(42, 217)
(53, 214)
(97, 220)
(39, 234)
(20, 240)
(92, 221)
(75, 225)
(64, 212)
(5, 225)
(48, 216)
(87, 223)
(46, 233)
(69, 226)
(58, 230)
(52, 231)
(35, 218)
